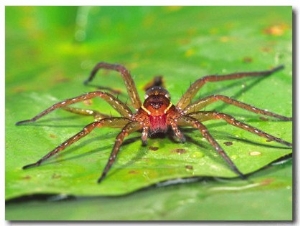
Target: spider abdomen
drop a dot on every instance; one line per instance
(158, 123)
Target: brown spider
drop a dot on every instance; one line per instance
(157, 114)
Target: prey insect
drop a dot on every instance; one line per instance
(157, 114)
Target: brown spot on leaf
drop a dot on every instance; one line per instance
(26, 177)
(189, 167)
(276, 30)
(247, 59)
(55, 176)
(266, 181)
(228, 143)
(61, 80)
(266, 49)
(52, 135)
(132, 172)
(152, 148)
(263, 118)
(19, 89)
(179, 151)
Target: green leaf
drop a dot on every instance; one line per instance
(48, 57)
(203, 200)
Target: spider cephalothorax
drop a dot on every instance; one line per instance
(157, 113)
(157, 106)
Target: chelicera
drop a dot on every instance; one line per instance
(157, 114)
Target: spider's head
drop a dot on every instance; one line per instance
(157, 101)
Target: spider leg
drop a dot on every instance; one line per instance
(129, 83)
(127, 129)
(106, 89)
(177, 132)
(210, 99)
(85, 131)
(114, 102)
(187, 120)
(194, 88)
(145, 133)
(86, 112)
(208, 115)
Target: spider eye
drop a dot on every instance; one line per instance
(167, 95)
(156, 91)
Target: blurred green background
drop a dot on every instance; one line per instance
(50, 52)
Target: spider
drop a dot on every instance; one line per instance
(157, 114)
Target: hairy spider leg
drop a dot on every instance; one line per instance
(127, 129)
(108, 122)
(198, 105)
(144, 137)
(194, 88)
(87, 112)
(187, 120)
(209, 115)
(114, 91)
(177, 131)
(129, 83)
(114, 102)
